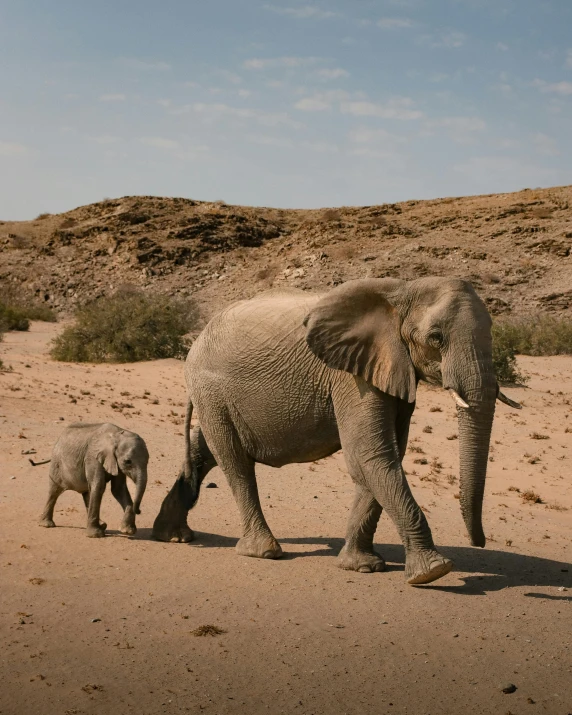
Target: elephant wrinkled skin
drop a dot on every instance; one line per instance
(289, 376)
(85, 458)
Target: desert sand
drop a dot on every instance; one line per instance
(105, 626)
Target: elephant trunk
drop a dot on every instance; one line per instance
(141, 485)
(475, 424)
(470, 375)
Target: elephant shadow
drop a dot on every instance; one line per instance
(483, 571)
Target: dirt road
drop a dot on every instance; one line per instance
(104, 627)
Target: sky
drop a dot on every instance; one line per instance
(286, 103)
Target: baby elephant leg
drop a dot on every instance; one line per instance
(121, 493)
(85, 495)
(96, 481)
(47, 517)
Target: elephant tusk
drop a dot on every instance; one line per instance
(511, 403)
(458, 399)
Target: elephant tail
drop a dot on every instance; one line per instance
(188, 468)
(189, 481)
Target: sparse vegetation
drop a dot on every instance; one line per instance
(208, 630)
(537, 435)
(541, 335)
(531, 497)
(16, 311)
(127, 327)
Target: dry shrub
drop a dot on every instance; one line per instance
(127, 327)
(531, 497)
(41, 216)
(435, 409)
(538, 335)
(537, 435)
(17, 309)
(267, 273)
(331, 215)
(427, 429)
(208, 630)
(342, 252)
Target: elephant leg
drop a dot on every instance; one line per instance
(369, 437)
(358, 553)
(171, 522)
(96, 481)
(257, 539)
(121, 494)
(47, 517)
(85, 495)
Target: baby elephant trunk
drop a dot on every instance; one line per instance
(141, 485)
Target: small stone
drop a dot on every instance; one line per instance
(95, 620)
(12, 477)
(455, 635)
(509, 688)
(211, 485)
(561, 588)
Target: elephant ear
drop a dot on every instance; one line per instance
(355, 328)
(106, 456)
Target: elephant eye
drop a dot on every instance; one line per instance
(435, 339)
(128, 462)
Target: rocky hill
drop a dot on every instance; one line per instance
(516, 248)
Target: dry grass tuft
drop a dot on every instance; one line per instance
(428, 429)
(208, 630)
(435, 409)
(531, 497)
(537, 435)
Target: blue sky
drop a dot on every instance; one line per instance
(288, 103)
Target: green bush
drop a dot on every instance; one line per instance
(16, 310)
(538, 335)
(12, 318)
(127, 327)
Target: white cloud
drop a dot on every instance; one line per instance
(394, 23)
(13, 149)
(144, 65)
(321, 100)
(112, 98)
(159, 142)
(105, 139)
(257, 63)
(450, 40)
(399, 108)
(302, 13)
(335, 73)
(244, 93)
(364, 135)
(270, 119)
(312, 104)
(231, 77)
(563, 88)
(545, 144)
(462, 130)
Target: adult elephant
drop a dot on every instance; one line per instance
(289, 376)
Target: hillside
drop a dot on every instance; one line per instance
(516, 248)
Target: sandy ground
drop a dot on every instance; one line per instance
(301, 636)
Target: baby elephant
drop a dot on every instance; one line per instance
(85, 458)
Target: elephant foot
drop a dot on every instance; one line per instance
(425, 567)
(176, 534)
(259, 547)
(362, 561)
(128, 529)
(94, 532)
(47, 523)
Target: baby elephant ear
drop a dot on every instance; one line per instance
(356, 329)
(106, 457)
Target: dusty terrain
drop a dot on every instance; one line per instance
(104, 627)
(515, 248)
